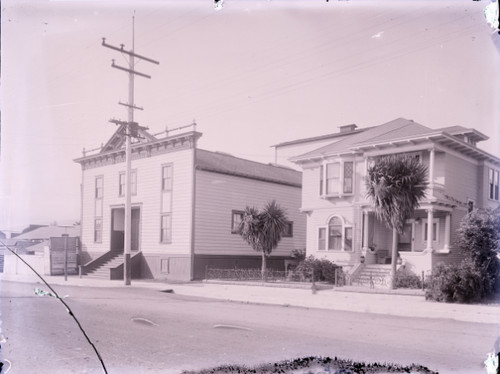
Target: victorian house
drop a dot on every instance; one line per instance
(341, 225)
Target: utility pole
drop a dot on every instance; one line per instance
(130, 130)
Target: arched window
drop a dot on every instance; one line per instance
(335, 234)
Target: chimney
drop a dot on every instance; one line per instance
(347, 128)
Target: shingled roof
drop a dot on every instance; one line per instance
(224, 163)
(398, 126)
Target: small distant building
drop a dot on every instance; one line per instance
(186, 206)
(36, 246)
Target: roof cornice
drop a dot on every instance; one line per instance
(149, 148)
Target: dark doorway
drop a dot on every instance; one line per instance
(118, 229)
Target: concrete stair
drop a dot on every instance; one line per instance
(103, 271)
(373, 276)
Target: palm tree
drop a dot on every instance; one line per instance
(396, 184)
(263, 229)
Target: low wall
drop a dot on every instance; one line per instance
(417, 262)
(13, 265)
(201, 262)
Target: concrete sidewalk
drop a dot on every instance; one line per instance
(333, 299)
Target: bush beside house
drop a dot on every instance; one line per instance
(312, 269)
(477, 276)
(407, 279)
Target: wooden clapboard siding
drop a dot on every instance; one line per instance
(461, 178)
(148, 198)
(217, 195)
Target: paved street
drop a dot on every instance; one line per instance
(144, 330)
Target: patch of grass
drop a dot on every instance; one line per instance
(318, 365)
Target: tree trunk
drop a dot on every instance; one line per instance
(394, 258)
(264, 258)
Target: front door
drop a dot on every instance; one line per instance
(118, 229)
(406, 239)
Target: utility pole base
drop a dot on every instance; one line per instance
(127, 273)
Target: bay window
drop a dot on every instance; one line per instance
(336, 178)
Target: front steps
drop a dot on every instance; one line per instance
(373, 276)
(104, 270)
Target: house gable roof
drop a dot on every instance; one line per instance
(223, 163)
(344, 146)
(399, 132)
(322, 137)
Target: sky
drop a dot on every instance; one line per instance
(252, 74)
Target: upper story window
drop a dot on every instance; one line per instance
(493, 184)
(166, 178)
(166, 204)
(321, 179)
(98, 187)
(337, 178)
(98, 195)
(333, 178)
(133, 183)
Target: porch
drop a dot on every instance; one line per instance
(428, 231)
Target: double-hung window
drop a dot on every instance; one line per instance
(166, 203)
(236, 218)
(333, 178)
(493, 184)
(98, 197)
(288, 231)
(123, 180)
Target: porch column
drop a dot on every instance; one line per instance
(447, 231)
(365, 230)
(431, 170)
(430, 219)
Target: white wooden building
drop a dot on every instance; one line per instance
(186, 203)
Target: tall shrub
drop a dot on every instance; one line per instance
(461, 283)
(479, 238)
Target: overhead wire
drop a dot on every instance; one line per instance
(348, 69)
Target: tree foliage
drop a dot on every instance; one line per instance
(263, 229)
(479, 238)
(476, 277)
(462, 283)
(396, 184)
